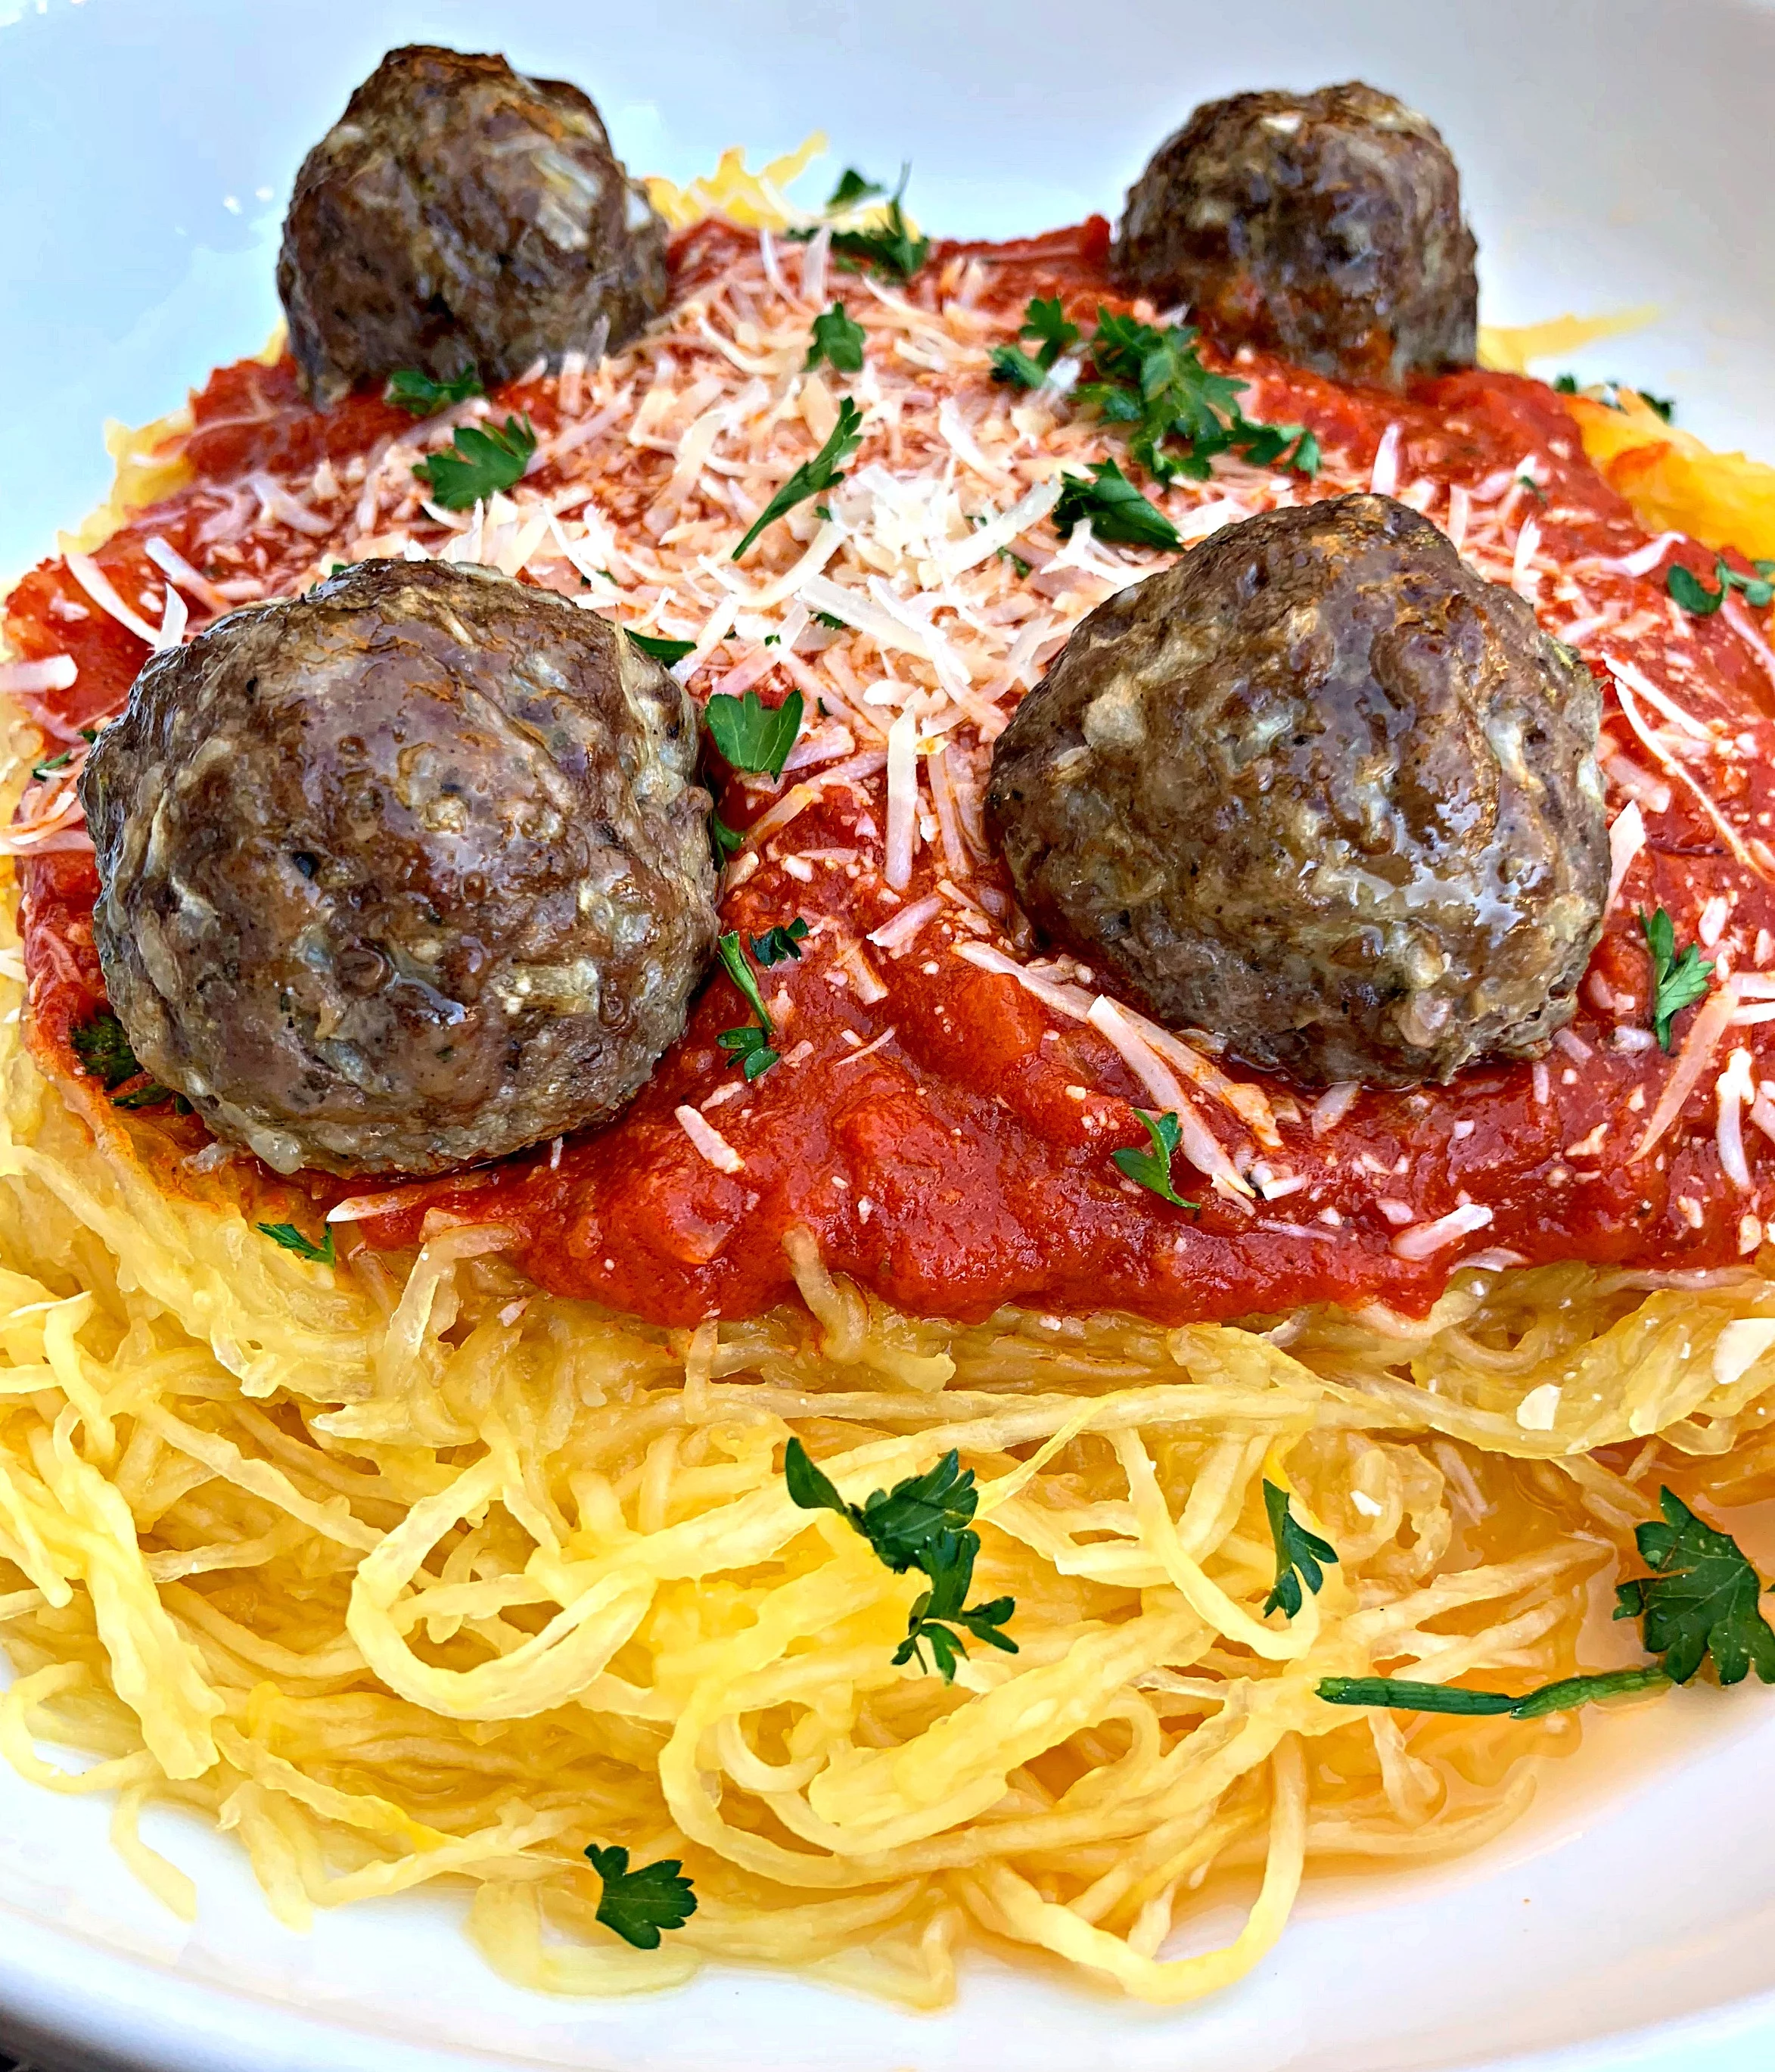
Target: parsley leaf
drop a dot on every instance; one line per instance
(750, 1048)
(1297, 1549)
(732, 956)
(851, 188)
(1694, 596)
(415, 391)
(1687, 588)
(487, 459)
(919, 1524)
(638, 1904)
(1046, 322)
(937, 1611)
(1700, 1601)
(1152, 1168)
(751, 734)
(153, 1095)
(1116, 509)
(813, 476)
(292, 1240)
(660, 646)
(103, 1050)
(838, 340)
(781, 942)
(1676, 982)
(1183, 414)
(890, 248)
(728, 841)
(1565, 384)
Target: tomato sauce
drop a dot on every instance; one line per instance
(948, 1142)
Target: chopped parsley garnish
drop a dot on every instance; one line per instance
(153, 1095)
(1527, 482)
(103, 1050)
(1693, 595)
(748, 1046)
(837, 339)
(1151, 1170)
(1402, 1695)
(832, 625)
(292, 1240)
(638, 1905)
(40, 770)
(1700, 1603)
(889, 247)
(660, 646)
(778, 943)
(1116, 509)
(921, 1518)
(1565, 384)
(937, 1611)
(852, 187)
(1298, 1554)
(1045, 322)
(487, 459)
(921, 1522)
(411, 390)
(728, 841)
(813, 477)
(1182, 415)
(752, 735)
(1676, 982)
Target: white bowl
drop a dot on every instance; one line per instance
(1614, 155)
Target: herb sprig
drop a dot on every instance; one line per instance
(1693, 595)
(641, 1904)
(1699, 1604)
(1298, 1555)
(814, 477)
(413, 390)
(1676, 982)
(1116, 509)
(749, 1046)
(1045, 322)
(923, 1522)
(889, 247)
(1151, 1170)
(1182, 414)
(105, 1054)
(488, 458)
(292, 1239)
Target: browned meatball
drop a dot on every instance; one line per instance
(460, 215)
(1325, 227)
(403, 874)
(1320, 790)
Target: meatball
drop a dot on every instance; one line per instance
(460, 215)
(406, 873)
(1321, 790)
(1325, 227)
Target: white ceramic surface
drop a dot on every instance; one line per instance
(1616, 152)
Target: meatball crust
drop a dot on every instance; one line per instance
(1322, 791)
(1325, 227)
(404, 874)
(460, 215)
